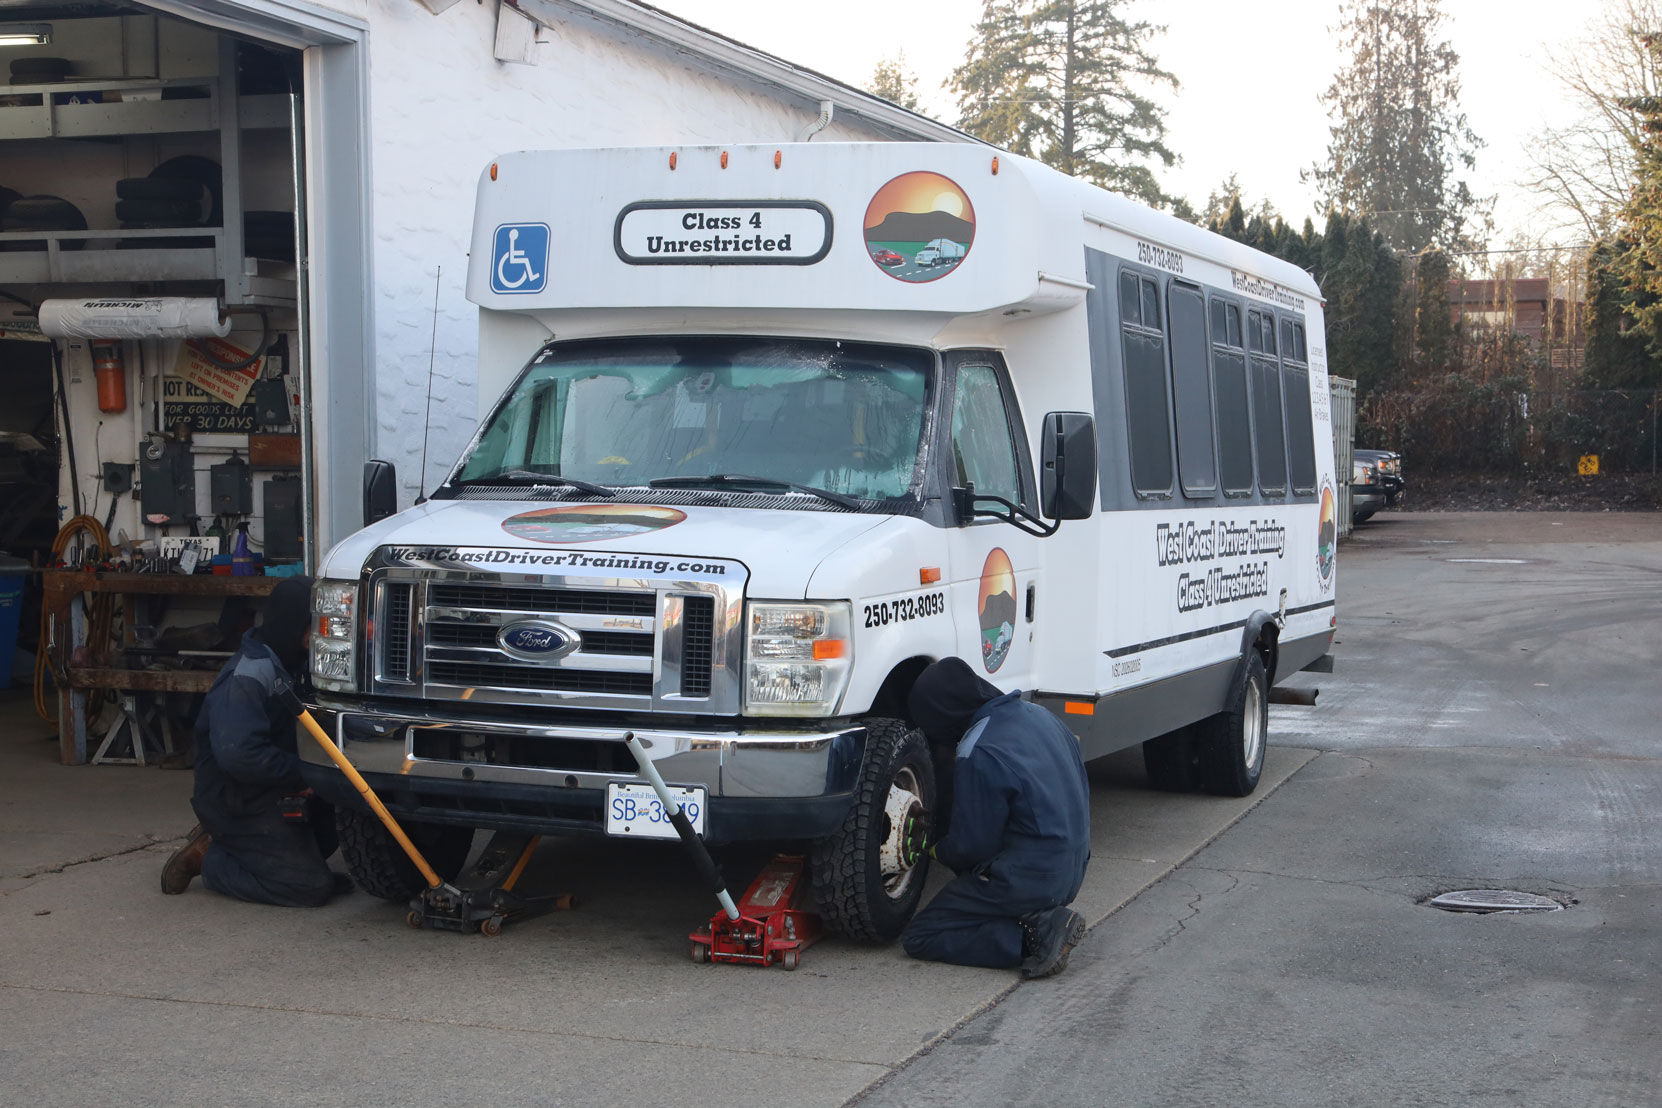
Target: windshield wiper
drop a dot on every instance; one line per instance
(745, 479)
(531, 477)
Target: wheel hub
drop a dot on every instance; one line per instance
(898, 857)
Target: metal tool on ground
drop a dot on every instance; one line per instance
(481, 900)
(767, 926)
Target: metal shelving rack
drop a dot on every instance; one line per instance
(97, 261)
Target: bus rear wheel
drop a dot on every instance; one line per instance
(1231, 744)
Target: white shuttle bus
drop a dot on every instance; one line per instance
(777, 428)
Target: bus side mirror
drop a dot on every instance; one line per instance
(1068, 466)
(380, 491)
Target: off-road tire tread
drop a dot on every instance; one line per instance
(378, 863)
(840, 861)
(1172, 762)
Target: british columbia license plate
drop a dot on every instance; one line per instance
(635, 810)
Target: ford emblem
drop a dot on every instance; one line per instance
(539, 641)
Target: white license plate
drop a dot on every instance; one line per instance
(635, 810)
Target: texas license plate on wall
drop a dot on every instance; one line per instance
(635, 810)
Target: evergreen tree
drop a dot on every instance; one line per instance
(1069, 82)
(1360, 279)
(1434, 330)
(1399, 140)
(894, 81)
(1618, 356)
(1637, 260)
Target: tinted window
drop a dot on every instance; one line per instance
(1301, 444)
(981, 447)
(1191, 387)
(1229, 395)
(1147, 405)
(1131, 310)
(1255, 332)
(1270, 435)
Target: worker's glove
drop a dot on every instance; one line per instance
(917, 844)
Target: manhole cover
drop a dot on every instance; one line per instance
(1494, 900)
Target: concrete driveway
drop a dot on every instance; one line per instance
(1492, 722)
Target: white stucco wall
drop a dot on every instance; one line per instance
(441, 108)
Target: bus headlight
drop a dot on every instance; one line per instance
(334, 639)
(797, 657)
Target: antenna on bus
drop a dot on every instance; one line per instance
(427, 423)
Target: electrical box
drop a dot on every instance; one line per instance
(168, 493)
(232, 487)
(281, 507)
(271, 402)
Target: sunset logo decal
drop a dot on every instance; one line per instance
(919, 227)
(997, 609)
(1327, 536)
(591, 522)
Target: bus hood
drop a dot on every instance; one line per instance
(780, 549)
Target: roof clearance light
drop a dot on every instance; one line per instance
(995, 167)
(672, 159)
(724, 159)
(493, 171)
(26, 34)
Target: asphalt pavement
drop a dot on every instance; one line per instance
(1492, 723)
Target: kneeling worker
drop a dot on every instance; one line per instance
(1019, 837)
(248, 775)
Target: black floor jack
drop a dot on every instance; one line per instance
(483, 898)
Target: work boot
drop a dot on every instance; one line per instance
(1047, 939)
(186, 862)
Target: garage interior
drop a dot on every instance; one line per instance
(152, 340)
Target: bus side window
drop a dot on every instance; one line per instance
(1147, 403)
(1295, 390)
(1229, 398)
(1197, 468)
(1270, 435)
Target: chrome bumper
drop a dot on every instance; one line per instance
(733, 764)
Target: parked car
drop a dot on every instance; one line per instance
(1367, 494)
(941, 252)
(1388, 464)
(887, 257)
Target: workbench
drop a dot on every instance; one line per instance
(79, 670)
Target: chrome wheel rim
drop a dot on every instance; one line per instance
(903, 804)
(1252, 727)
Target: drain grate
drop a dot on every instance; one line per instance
(1494, 900)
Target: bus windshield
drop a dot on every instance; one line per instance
(842, 417)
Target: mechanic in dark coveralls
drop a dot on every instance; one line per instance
(247, 769)
(1020, 830)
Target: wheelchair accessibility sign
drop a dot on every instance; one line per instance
(520, 258)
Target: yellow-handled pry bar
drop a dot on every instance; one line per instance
(293, 703)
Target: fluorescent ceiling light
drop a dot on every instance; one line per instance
(26, 34)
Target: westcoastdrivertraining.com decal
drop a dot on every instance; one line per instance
(1224, 560)
(919, 227)
(508, 560)
(591, 522)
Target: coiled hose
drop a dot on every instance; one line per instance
(100, 617)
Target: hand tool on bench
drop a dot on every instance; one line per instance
(483, 899)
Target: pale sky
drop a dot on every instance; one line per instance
(1239, 66)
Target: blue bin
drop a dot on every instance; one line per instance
(12, 580)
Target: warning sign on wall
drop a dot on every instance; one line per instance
(228, 385)
(184, 403)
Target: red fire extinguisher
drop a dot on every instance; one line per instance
(112, 376)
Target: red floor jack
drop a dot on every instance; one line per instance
(766, 926)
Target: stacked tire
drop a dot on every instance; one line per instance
(39, 213)
(186, 191)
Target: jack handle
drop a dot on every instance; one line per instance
(292, 702)
(689, 838)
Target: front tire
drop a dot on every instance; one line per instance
(1232, 742)
(867, 882)
(380, 866)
